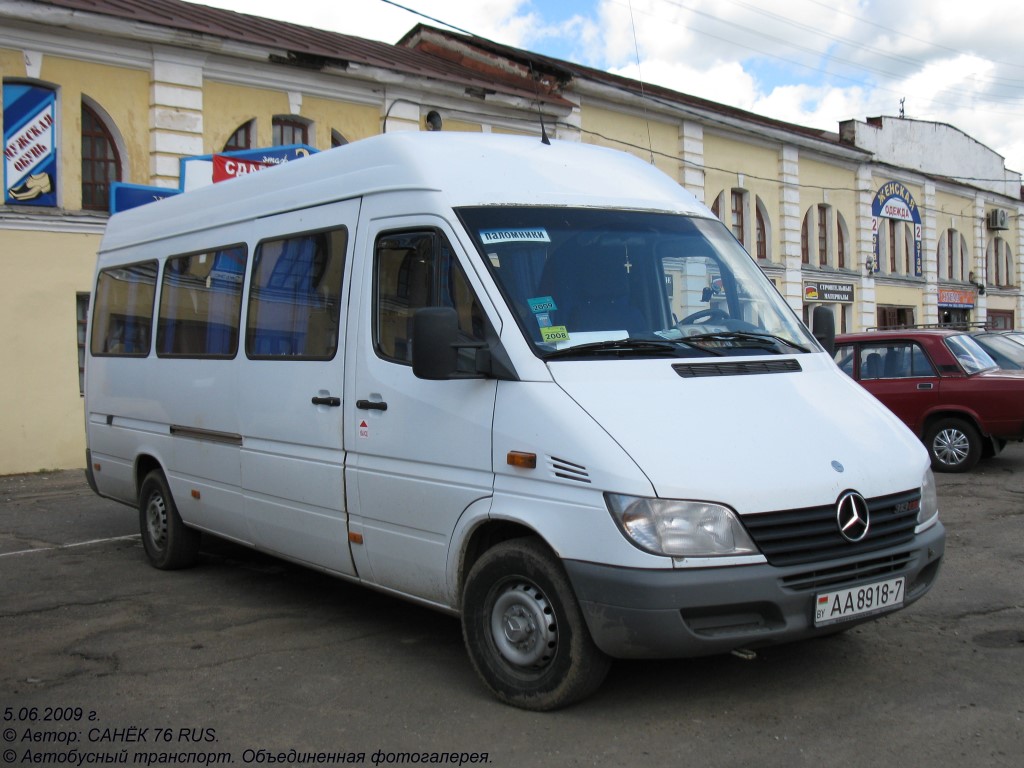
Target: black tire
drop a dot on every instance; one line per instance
(168, 542)
(954, 445)
(524, 631)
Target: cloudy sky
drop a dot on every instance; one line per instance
(810, 62)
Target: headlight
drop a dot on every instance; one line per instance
(680, 528)
(929, 510)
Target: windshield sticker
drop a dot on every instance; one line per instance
(554, 333)
(495, 260)
(544, 319)
(514, 236)
(542, 304)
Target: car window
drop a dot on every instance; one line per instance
(894, 360)
(969, 354)
(844, 358)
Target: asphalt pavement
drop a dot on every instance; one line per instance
(252, 661)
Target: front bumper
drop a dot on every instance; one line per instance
(678, 613)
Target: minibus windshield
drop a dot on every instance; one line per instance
(613, 283)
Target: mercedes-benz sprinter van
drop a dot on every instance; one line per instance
(537, 386)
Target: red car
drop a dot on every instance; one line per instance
(943, 386)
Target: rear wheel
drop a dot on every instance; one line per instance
(954, 445)
(168, 542)
(524, 630)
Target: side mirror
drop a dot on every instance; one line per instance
(436, 345)
(824, 328)
(435, 334)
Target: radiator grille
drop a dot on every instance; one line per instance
(795, 537)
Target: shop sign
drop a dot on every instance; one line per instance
(30, 146)
(831, 293)
(894, 201)
(203, 170)
(124, 196)
(206, 169)
(956, 298)
(225, 167)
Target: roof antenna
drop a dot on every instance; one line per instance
(543, 133)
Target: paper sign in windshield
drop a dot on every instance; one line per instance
(553, 334)
(514, 236)
(542, 304)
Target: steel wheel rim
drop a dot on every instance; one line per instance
(156, 520)
(523, 625)
(951, 447)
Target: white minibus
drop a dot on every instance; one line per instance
(538, 386)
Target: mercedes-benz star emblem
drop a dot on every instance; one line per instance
(852, 516)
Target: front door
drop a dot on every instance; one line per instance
(900, 374)
(419, 451)
(292, 382)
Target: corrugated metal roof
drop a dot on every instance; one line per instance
(306, 46)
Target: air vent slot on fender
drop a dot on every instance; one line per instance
(744, 368)
(568, 470)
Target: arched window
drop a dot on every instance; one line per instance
(896, 247)
(842, 238)
(824, 237)
(999, 263)
(756, 239)
(101, 161)
(289, 129)
(241, 138)
(761, 230)
(953, 256)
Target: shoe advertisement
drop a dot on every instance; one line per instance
(30, 151)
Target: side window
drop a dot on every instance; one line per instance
(844, 358)
(295, 297)
(123, 317)
(903, 360)
(201, 303)
(415, 270)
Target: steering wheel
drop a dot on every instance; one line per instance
(709, 315)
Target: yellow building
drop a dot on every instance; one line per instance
(888, 221)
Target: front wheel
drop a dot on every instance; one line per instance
(954, 445)
(168, 542)
(524, 631)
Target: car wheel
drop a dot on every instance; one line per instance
(168, 542)
(524, 631)
(954, 445)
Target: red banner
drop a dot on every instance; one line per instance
(231, 167)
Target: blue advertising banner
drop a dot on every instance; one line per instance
(894, 201)
(124, 196)
(30, 147)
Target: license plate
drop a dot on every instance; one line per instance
(844, 604)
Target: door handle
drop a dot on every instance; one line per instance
(333, 402)
(371, 405)
(924, 386)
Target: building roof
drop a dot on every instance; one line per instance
(299, 45)
(424, 37)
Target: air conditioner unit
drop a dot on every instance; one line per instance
(998, 219)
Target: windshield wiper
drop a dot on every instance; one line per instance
(628, 347)
(765, 340)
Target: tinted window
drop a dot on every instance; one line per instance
(295, 297)
(200, 304)
(123, 319)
